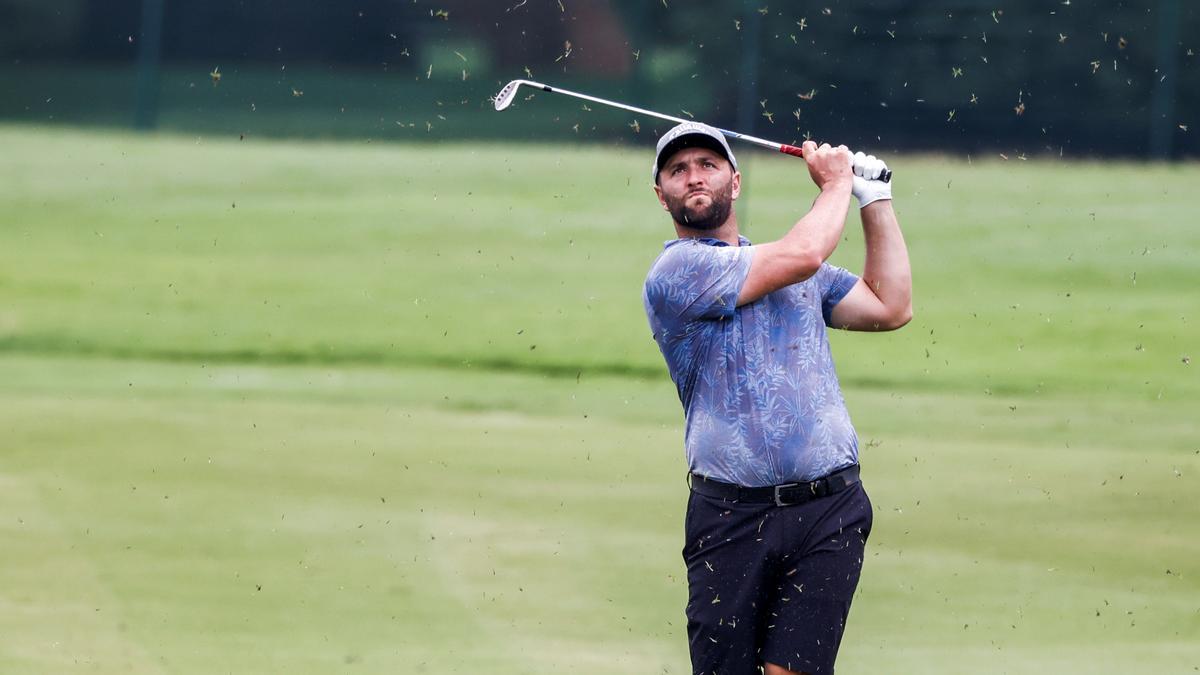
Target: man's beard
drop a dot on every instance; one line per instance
(706, 217)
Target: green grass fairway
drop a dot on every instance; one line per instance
(357, 407)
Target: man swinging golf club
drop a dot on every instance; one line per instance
(777, 519)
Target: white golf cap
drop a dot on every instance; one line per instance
(690, 135)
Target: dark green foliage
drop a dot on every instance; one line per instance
(952, 73)
(1078, 78)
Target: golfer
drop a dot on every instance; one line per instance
(777, 519)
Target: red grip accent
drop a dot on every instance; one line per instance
(791, 150)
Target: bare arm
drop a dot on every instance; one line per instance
(882, 298)
(799, 254)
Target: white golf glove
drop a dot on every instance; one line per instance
(867, 187)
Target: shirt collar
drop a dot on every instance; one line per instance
(710, 241)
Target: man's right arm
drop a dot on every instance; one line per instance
(800, 253)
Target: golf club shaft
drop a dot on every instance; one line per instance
(761, 142)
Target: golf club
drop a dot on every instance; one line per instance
(509, 93)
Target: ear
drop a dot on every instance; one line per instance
(659, 193)
(737, 184)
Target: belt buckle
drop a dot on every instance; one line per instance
(779, 499)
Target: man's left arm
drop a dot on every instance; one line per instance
(882, 298)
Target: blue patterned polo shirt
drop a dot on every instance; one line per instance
(759, 391)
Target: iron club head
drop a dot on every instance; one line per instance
(509, 92)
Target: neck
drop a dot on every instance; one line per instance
(727, 232)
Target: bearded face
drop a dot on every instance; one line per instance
(697, 187)
(701, 210)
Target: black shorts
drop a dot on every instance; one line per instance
(772, 583)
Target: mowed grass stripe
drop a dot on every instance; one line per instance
(50, 345)
(1030, 276)
(450, 535)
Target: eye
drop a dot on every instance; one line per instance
(708, 164)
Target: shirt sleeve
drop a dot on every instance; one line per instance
(692, 281)
(834, 282)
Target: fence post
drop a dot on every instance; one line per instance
(747, 112)
(1162, 105)
(149, 55)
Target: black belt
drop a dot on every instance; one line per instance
(779, 495)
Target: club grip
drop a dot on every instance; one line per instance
(799, 152)
(791, 150)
